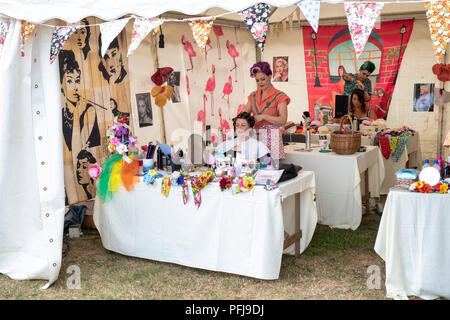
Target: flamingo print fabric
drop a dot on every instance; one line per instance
(214, 86)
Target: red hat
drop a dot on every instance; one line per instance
(161, 75)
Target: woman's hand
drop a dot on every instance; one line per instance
(259, 117)
(348, 77)
(360, 85)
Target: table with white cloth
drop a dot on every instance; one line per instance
(414, 241)
(411, 157)
(338, 182)
(241, 233)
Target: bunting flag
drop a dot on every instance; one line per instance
(109, 31)
(311, 11)
(59, 38)
(141, 28)
(4, 26)
(438, 15)
(256, 19)
(361, 17)
(27, 30)
(201, 29)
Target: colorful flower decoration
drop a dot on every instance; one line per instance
(441, 187)
(150, 176)
(225, 183)
(94, 171)
(162, 94)
(421, 186)
(245, 184)
(119, 136)
(165, 186)
(270, 185)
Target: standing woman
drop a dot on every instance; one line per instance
(360, 80)
(269, 108)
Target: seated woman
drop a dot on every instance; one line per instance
(245, 147)
(358, 108)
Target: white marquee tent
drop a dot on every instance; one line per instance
(31, 167)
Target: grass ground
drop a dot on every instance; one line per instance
(334, 266)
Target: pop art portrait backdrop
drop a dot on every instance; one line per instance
(329, 54)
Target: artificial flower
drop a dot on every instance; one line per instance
(122, 148)
(94, 171)
(111, 148)
(123, 119)
(175, 175)
(443, 188)
(115, 142)
(180, 180)
(162, 94)
(144, 148)
(121, 131)
(225, 183)
(132, 140)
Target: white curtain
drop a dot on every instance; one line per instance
(31, 167)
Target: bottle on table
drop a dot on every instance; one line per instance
(426, 164)
(437, 166)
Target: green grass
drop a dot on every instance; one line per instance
(332, 267)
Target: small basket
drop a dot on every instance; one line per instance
(345, 143)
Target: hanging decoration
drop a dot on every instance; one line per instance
(200, 30)
(109, 31)
(59, 38)
(438, 15)
(311, 11)
(361, 18)
(4, 27)
(141, 28)
(27, 30)
(256, 19)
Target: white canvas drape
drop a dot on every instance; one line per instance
(31, 180)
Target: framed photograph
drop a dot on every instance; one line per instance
(174, 81)
(144, 108)
(280, 69)
(423, 97)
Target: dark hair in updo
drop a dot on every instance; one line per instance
(261, 66)
(244, 115)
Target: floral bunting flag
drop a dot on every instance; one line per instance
(27, 30)
(438, 15)
(4, 26)
(109, 31)
(361, 18)
(59, 38)
(256, 19)
(201, 29)
(141, 28)
(311, 11)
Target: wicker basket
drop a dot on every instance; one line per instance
(345, 142)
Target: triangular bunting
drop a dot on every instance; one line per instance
(256, 19)
(59, 38)
(109, 31)
(27, 30)
(311, 11)
(4, 27)
(361, 17)
(141, 28)
(438, 15)
(201, 29)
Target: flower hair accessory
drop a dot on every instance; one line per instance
(165, 186)
(246, 184)
(225, 183)
(119, 136)
(94, 171)
(270, 185)
(150, 176)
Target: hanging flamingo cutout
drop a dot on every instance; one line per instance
(227, 90)
(219, 33)
(241, 108)
(189, 49)
(210, 87)
(208, 43)
(187, 85)
(234, 54)
(201, 115)
(224, 126)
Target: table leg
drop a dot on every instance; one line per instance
(294, 238)
(366, 185)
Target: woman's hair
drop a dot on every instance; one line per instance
(341, 67)
(283, 61)
(360, 94)
(367, 65)
(67, 63)
(261, 66)
(101, 66)
(247, 116)
(86, 47)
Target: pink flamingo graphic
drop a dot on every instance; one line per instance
(240, 108)
(187, 85)
(208, 43)
(201, 115)
(234, 54)
(210, 87)
(189, 49)
(227, 90)
(223, 123)
(214, 138)
(218, 32)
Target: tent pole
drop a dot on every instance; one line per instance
(162, 126)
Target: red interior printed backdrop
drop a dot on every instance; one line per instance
(334, 55)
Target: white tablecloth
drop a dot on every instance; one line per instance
(236, 233)
(338, 177)
(414, 241)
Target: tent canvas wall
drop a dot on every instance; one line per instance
(31, 153)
